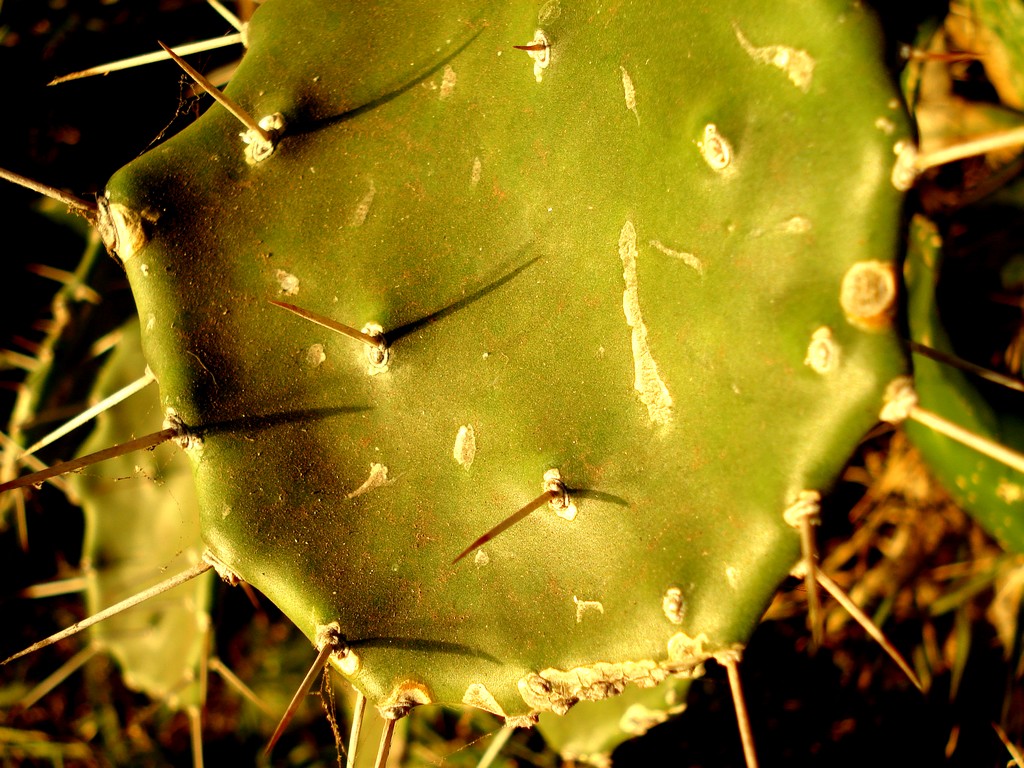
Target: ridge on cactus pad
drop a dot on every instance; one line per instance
(654, 254)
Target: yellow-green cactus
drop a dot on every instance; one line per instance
(620, 272)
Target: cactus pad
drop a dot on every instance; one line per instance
(653, 253)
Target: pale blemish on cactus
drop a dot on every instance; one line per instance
(688, 259)
(556, 690)
(630, 93)
(448, 81)
(904, 170)
(258, 147)
(686, 651)
(796, 225)
(823, 351)
(807, 505)
(348, 663)
(464, 450)
(583, 606)
(315, 355)
(539, 50)
(363, 209)
(561, 502)
(885, 125)
(646, 379)
(1009, 492)
(403, 697)
(732, 575)
(478, 696)
(797, 64)
(122, 229)
(550, 11)
(898, 401)
(672, 605)
(289, 283)
(378, 477)
(378, 358)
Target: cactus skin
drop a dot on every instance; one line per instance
(503, 257)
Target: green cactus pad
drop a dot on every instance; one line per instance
(992, 492)
(654, 254)
(141, 526)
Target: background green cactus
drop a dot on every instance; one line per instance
(253, 385)
(131, 504)
(992, 491)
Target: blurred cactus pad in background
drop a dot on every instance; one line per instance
(542, 368)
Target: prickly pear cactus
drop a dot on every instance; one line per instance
(140, 515)
(141, 524)
(646, 265)
(988, 488)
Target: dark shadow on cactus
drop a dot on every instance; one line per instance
(415, 325)
(316, 124)
(424, 646)
(271, 420)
